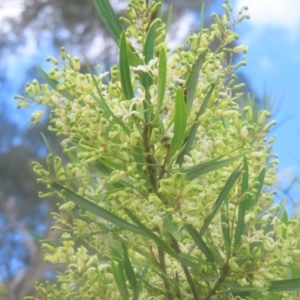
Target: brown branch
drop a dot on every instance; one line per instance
(149, 159)
(162, 264)
(186, 271)
(218, 282)
(178, 287)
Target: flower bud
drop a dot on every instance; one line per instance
(204, 42)
(217, 19)
(22, 104)
(91, 273)
(155, 6)
(51, 258)
(268, 126)
(54, 74)
(116, 175)
(67, 206)
(262, 116)
(154, 199)
(249, 114)
(154, 135)
(274, 261)
(48, 247)
(57, 164)
(240, 48)
(54, 60)
(179, 180)
(249, 217)
(238, 86)
(244, 132)
(157, 221)
(45, 90)
(285, 261)
(36, 116)
(45, 195)
(76, 63)
(233, 265)
(224, 20)
(63, 53)
(35, 87)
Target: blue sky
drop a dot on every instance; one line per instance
(273, 37)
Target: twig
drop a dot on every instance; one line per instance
(162, 264)
(218, 282)
(186, 271)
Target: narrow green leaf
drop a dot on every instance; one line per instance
(140, 285)
(38, 238)
(146, 83)
(245, 176)
(133, 57)
(147, 232)
(240, 227)
(53, 83)
(116, 254)
(190, 261)
(97, 210)
(293, 272)
(120, 280)
(169, 17)
(280, 213)
(192, 83)
(210, 166)
(201, 23)
(191, 137)
(235, 288)
(285, 217)
(113, 165)
(288, 285)
(146, 79)
(150, 43)
(260, 179)
(129, 269)
(125, 69)
(109, 18)
(103, 169)
(73, 158)
(49, 148)
(171, 227)
(161, 80)
(179, 123)
(200, 243)
(226, 231)
(221, 198)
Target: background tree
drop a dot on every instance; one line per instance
(21, 259)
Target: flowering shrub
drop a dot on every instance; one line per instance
(167, 194)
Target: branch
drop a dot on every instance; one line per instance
(218, 282)
(149, 159)
(162, 264)
(186, 271)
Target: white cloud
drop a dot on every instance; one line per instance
(283, 14)
(10, 9)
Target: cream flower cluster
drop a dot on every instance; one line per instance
(119, 160)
